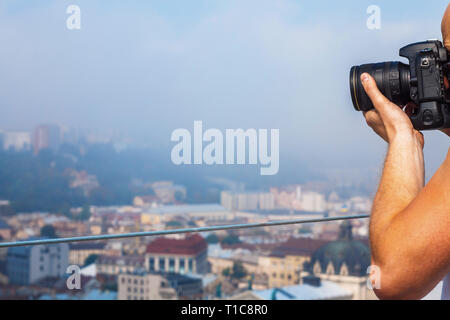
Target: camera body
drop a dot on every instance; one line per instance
(420, 82)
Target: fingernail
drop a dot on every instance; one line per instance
(364, 77)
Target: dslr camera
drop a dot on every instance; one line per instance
(421, 82)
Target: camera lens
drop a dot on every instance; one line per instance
(392, 78)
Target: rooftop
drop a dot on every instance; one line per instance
(191, 245)
(326, 291)
(187, 208)
(96, 294)
(121, 260)
(87, 246)
(298, 247)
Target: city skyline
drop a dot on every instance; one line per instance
(146, 70)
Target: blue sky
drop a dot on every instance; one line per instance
(145, 68)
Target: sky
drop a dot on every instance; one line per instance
(146, 68)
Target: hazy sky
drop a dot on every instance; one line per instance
(146, 68)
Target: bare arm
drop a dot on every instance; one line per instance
(410, 223)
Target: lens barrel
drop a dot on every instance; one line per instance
(392, 78)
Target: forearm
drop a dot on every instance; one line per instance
(401, 182)
(412, 251)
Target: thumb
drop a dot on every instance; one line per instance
(380, 102)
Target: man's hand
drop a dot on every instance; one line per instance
(387, 119)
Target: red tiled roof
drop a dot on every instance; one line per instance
(298, 247)
(191, 245)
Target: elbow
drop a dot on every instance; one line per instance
(395, 284)
(390, 292)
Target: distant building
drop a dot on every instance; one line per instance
(27, 265)
(144, 286)
(284, 265)
(46, 137)
(148, 286)
(5, 208)
(345, 262)
(5, 230)
(92, 294)
(84, 181)
(186, 287)
(177, 255)
(16, 140)
(207, 212)
(250, 201)
(288, 197)
(113, 266)
(294, 198)
(249, 261)
(167, 192)
(360, 204)
(313, 202)
(78, 252)
(310, 289)
(147, 201)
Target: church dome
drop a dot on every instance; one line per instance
(344, 256)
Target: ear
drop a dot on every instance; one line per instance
(445, 27)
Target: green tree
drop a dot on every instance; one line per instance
(212, 238)
(226, 272)
(230, 240)
(238, 270)
(90, 259)
(48, 231)
(110, 286)
(173, 224)
(85, 213)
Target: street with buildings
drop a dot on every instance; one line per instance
(310, 261)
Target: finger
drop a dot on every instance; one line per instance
(445, 27)
(380, 102)
(373, 118)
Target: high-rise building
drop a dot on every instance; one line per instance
(313, 201)
(46, 137)
(16, 140)
(247, 201)
(27, 265)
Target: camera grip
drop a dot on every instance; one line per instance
(430, 115)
